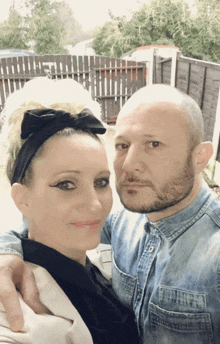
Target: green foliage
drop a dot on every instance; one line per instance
(165, 22)
(46, 28)
(13, 34)
(73, 30)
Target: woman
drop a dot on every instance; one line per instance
(59, 173)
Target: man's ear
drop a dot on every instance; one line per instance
(19, 194)
(203, 153)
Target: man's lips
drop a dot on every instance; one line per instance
(87, 224)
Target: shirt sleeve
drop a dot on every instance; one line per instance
(10, 242)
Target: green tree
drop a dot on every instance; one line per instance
(73, 30)
(203, 39)
(46, 28)
(165, 22)
(13, 34)
(159, 21)
(110, 40)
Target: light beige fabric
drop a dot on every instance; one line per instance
(63, 324)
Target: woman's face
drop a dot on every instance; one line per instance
(69, 197)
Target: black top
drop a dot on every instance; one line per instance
(109, 321)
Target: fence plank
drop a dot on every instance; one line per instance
(2, 91)
(102, 66)
(26, 66)
(92, 76)
(119, 99)
(80, 70)
(10, 71)
(6, 81)
(109, 80)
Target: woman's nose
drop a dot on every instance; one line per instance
(91, 202)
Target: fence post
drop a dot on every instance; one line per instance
(173, 68)
(213, 163)
(150, 67)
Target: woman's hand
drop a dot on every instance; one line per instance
(14, 272)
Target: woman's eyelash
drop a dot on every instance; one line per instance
(102, 183)
(65, 185)
(68, 185)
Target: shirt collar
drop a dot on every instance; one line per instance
(173, 226)
(58, 265)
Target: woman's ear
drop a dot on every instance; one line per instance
(19, 194)
(203, 153)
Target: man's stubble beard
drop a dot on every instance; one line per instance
(172, 193)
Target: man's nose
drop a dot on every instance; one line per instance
(133, 161)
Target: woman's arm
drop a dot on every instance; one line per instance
(14, 273)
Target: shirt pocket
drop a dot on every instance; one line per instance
(123, 284)
(179, 327)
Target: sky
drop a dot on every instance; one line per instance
(89, 13)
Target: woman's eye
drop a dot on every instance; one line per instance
(121, 146)
(153, 144)
(65, 185)
(101, 183)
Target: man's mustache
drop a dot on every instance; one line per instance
(131, 179)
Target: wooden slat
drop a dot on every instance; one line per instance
(2, 91)
(86, 72)
(37, 65)
(92, 76)
(26, 66)
(123, 65)
(58, 67)
(6, 82)
(109, 101)
(119, 99)
(32, 65)
(97, 77)
(114, 113)
(80, 70)
(64, 66)
(75, 67)
(102, 63)
(10, 71)
(129, 81)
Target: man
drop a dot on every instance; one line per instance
(166, 243)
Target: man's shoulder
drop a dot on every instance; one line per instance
(125, 215)
(213, 211)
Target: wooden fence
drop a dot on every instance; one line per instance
(110, 81)
(199, 79)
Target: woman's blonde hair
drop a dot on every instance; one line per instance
(41, 93)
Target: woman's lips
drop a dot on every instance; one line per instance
(87, 224)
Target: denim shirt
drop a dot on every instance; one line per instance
(167, 272)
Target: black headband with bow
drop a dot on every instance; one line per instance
(40, 124)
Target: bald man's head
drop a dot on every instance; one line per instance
(159, 93)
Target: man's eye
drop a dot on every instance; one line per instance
(153, 144)
(101, 183)
(65, 185)
(121, 146)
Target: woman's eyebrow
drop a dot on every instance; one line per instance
(67, 171)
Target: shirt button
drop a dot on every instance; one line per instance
(151, 248)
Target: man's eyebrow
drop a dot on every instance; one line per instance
(118, 137)
(145, 135)
(149, 136)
